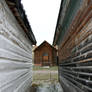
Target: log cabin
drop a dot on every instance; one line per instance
(73, 36)
(45, 55)
(16, 40)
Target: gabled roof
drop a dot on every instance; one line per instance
(42, 44)
(17, 9)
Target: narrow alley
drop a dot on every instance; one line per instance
(65, 65)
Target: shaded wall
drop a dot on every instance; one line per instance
(75, 48)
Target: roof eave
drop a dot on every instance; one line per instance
(19, 13)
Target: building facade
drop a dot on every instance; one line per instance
(16, 40)
(45, 55)
(73, 36)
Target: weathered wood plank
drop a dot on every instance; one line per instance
(15, 53)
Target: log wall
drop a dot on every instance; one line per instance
(15, 53)
(75, 52)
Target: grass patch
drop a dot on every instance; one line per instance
(45, 77)
(53, 68)
(43, 74)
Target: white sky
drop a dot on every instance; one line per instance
(42, 15)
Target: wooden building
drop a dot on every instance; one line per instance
(73, 36)
(45, 55)
(16, 40)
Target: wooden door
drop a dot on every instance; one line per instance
(45, 59)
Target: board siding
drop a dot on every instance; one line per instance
(15, 53)
(75, 52)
